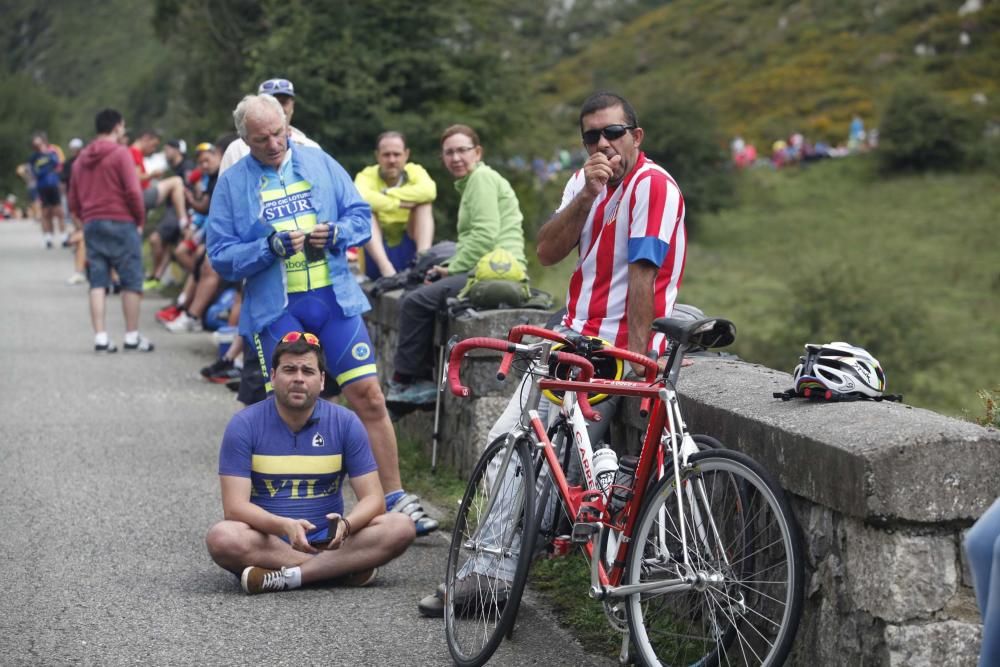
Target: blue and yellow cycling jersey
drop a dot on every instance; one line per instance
(287, 202)
(296, 475)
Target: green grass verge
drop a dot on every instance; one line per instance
(564, 583)
(444, 488)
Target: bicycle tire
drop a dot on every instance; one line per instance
(543, 491)
(707, 442)
(744, 619)
(476, 623)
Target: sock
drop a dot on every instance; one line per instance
(181, 299)
(402, 378)
(293, 576)
(392, 497)
(238, 362)
(101, 338)
(131, 337)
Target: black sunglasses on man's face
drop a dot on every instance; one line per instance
(611, 132)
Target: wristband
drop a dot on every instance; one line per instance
(347, 524)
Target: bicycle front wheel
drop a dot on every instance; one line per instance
(744, 564)
(487, 566)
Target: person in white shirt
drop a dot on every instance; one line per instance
(283, 91)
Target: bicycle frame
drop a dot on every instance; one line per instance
(675, 437)
(666, 429)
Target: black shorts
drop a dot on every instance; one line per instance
(50, 196)
(169, 228)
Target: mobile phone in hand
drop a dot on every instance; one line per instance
(332, 530)
(331, 534)
(313, 254)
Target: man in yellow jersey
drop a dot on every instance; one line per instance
(400, 193)
(281, 220)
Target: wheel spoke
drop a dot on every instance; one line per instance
(743, 552)
(485, 560)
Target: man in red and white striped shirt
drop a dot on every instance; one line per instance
(625, 215)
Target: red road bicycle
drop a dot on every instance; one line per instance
(694, 553)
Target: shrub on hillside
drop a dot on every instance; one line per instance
(683, 136)
(921, 132)
(991, 406)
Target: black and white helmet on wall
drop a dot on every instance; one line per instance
(841, 368)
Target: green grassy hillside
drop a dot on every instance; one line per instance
(771, 68)
(908, 267)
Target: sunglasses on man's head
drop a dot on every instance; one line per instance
(276, 83)
(611, 132)
(293, 336)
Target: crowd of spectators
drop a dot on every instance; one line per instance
(797, 149)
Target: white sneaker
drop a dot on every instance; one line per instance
(76, 279)
(184, 323)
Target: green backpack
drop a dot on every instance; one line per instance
(498, 281)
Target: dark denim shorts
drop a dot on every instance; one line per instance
(113, 245)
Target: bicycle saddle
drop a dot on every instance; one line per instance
(707, 333)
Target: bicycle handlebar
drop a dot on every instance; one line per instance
(457, 352)
(509, 347)
(652, 368)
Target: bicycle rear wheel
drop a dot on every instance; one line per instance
(743, 547)
(487, 566)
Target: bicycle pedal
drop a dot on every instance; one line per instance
(582, 532)
(591, 507)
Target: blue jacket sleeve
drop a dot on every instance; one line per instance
(354, 228)
(232, 257)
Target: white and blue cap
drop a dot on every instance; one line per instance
(276, 87)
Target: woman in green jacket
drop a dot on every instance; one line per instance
(489, 217)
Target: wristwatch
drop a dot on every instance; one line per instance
(276, 245)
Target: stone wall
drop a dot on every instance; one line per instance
(883, 493)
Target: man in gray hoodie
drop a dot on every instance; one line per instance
(105, 195)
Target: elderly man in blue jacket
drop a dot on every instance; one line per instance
(281, 220)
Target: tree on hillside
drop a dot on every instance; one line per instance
(683, 136)
(212, 44)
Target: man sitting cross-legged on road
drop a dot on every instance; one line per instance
(281, 466)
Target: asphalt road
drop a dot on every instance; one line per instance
(108, 470)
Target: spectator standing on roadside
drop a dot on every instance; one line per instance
(75, 238)
(45, 165)
(400, 193)
(106, 196)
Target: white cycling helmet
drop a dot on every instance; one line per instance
(840, 368)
